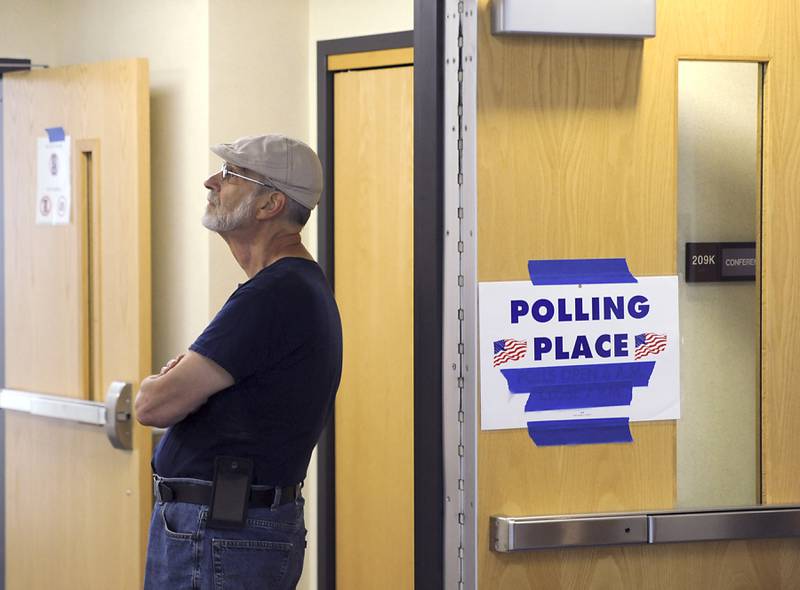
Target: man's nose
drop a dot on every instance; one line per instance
(212, 182)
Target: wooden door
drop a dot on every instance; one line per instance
(77, 310)
(576, 141)
(373, 253)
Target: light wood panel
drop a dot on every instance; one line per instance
(105, 108)
(44, 307)
(87, 162)
(371, 59)
(72, 507)
(577, 158)
(780, 375)
(733, 565)
(374, 287)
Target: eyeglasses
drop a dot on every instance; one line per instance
(225, 173)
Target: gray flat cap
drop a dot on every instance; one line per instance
(289, 164)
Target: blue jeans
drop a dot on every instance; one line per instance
(182, 552)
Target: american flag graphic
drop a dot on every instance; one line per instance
(649, 343)
(508, 350)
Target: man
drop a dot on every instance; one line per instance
(247, 402)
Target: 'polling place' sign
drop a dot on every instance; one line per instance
(554, 354)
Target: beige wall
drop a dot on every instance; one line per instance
(174, 37)
(252, 91)
(347, 18)
(256, 85)
(31, 30)
(218, 70)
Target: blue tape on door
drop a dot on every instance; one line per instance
(580, 432)
(55, 133)
(584, 395)
(580, 272)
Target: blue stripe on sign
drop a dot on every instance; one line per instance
(580, 271)
(585, 395)
(55, 133)
(580, 432)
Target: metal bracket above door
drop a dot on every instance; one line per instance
(114, 415)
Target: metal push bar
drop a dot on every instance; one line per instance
(511, 534)
(117, 407)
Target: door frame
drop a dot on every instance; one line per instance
(428, 43)
(6, 65)
(2, 357)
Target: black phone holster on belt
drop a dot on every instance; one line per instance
(230, 492)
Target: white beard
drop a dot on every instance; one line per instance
(224, 221)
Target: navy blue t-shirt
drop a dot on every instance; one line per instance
(280, 336)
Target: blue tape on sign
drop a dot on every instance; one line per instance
(580, 272)
(525, 380)
(580, 432)
(55, 133)
(586, 395)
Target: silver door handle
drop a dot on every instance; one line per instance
(118, 415)
(114, 415)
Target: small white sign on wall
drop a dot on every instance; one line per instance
(53, 181)
(568, 352)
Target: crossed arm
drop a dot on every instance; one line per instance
(183, 385)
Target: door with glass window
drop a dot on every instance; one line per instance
(676, 153)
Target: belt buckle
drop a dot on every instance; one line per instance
(277, 493)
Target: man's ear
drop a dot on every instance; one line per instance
(270, 205)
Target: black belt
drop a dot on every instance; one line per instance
(195, 493)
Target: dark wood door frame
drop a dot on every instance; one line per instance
(427, 40)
